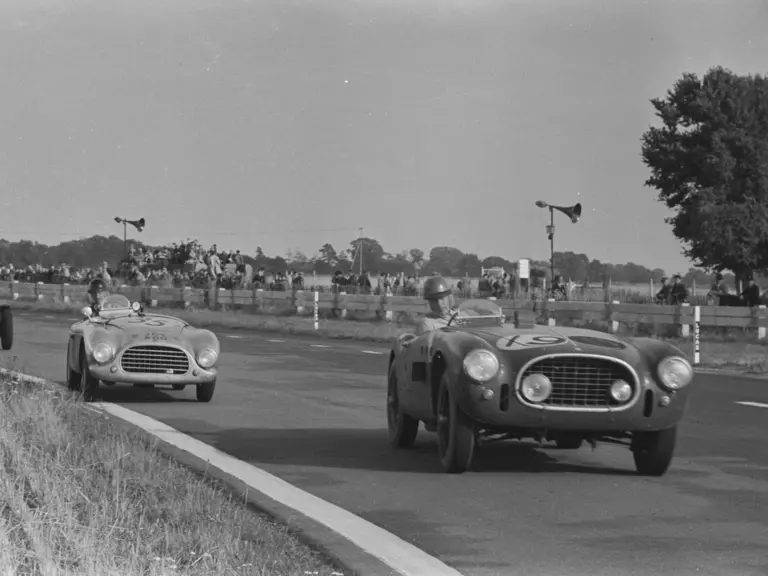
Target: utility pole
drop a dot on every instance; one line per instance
(360, 251)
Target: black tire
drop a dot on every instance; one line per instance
(402, 428)
(569, 443)
(653, 451)
(6, 328)
(205, 391)
(455, 432)
(178, 387)
(89, 386)
(73, 377)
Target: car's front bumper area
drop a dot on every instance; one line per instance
(649, 409)
(111, 372)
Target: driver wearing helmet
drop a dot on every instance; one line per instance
(440, 298)
(98, 291)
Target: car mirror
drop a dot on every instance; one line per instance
(87, 311)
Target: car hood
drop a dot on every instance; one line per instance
(527, 343)
(150, 328)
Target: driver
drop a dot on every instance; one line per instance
(440, 298)
(98, 291)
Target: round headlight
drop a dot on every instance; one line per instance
(536, 388)
(621, 391)
(102, 352)
(206, 357)
(675, 372)
(481, 365)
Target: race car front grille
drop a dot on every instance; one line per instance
(154, 360)
(582, 381)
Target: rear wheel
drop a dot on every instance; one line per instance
(89, 385)
(402, 428)
(653, 451)
(455, 432)
(6, 328)
(205, 391)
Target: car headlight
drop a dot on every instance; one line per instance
(675, 372)
(481, 365)
(102, 352)
(207, 357)
(621, 391)
(536, 388)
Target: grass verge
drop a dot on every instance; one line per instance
(734, 349)
(79, 496)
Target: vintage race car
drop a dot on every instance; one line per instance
(122, 344)
(6, 327)
(482, 379)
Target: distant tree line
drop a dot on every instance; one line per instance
(445, 260)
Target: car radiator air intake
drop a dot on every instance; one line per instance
(154, 360)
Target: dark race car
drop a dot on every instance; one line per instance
(482, 379)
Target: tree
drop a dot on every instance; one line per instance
(372, 253)
(709, 163)
(417, 257)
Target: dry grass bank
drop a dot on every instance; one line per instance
(80, 497)
(736, 349)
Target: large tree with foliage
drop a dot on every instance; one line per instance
(709, 163)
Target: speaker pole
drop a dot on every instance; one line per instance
(551, 246)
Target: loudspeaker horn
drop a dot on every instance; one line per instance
(573, 212)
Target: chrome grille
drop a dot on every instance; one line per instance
(582, 381)
(154, 360)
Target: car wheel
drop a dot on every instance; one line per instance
(402, 428)
(569, 443)
(6, 328)
(89, 385)
(178, 387)
(653, 451)
(205, 391)
(455, 432)
(73, 378)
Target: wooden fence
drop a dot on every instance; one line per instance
(386, 307)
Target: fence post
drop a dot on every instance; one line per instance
(64, 295)
(685, 328)
(388, 313)
(38, 288)
(550, 315)
(760, 318)
(614, 323)
(696, 334)
(343, 310)
(298, 304)
(317, 308)
(14, 289)
(185, 292)
(152, 299)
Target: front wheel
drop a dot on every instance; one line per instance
(653, 451)
(402, 428)
(205, 391)
(73, 378)
(89, 385)
(6, 328)
(455, 432)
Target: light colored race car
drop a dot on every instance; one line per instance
(122, 344)
(481, 379)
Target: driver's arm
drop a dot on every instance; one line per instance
(426, 325)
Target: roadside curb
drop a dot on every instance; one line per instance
(729, 372)
(337, 534)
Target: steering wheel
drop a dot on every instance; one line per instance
(452, 318)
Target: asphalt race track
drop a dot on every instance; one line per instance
(312, 412)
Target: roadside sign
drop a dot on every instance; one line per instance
(524, 268)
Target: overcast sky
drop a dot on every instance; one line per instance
(286, 123)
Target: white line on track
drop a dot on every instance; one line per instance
(49, 317)
(371, 352)
(755, 404)
(23, 314)
(73, 319)
(235, 337)
(278, 341)
(320, 346)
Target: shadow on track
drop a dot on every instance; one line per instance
(365, 449)
(128, 394)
